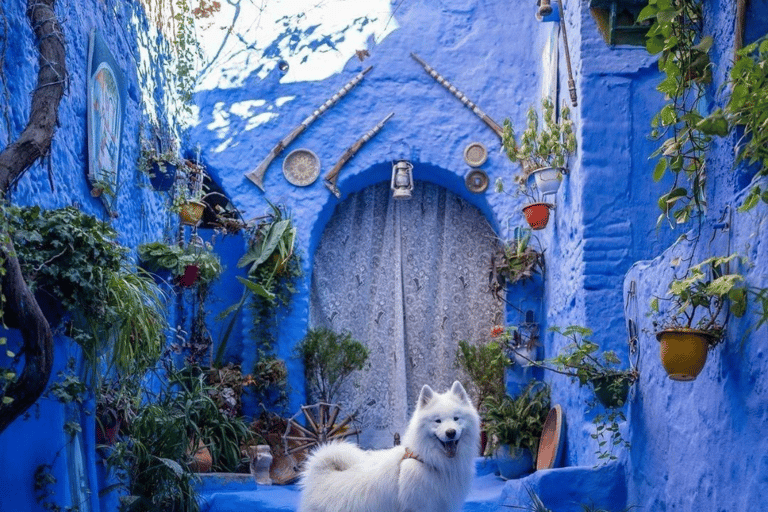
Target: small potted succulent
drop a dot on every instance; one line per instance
(695, 320)
(542, 153)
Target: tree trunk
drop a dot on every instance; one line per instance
(33, 143)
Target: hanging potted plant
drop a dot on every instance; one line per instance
(158, 160)
(694, 323)
(188, 199)
(515, 261)
(514, 427)
(195, 264)
(543, 154)
(580, 361)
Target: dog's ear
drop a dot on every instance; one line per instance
(458, 390)
(425, 396)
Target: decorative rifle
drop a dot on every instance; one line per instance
(460, 95)
(257, 175)
(333, 175)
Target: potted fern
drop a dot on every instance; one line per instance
(514, 426)
(694, 323)
(542, 153)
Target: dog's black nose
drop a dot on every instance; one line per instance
(450, 433)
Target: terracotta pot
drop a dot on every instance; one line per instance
(684, 351)
(201, 459)
(537, 215)
(552, 440)
(191, 212)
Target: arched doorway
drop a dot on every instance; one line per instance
(410, 280)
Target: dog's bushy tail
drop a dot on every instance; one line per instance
(333, 457)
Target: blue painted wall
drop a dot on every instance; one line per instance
(695, 446)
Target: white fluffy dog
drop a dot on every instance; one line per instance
(431, 471)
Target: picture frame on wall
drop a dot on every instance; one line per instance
(106, 97)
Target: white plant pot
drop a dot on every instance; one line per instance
(547, 180)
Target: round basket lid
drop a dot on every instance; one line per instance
(476, 181)
(475, 154)
(301, 167)
(552, 438)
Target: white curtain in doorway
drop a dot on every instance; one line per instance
(410, 280)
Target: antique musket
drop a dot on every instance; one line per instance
(460, 95)
(333, 175)
(257, 175)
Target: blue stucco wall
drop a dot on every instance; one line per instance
(695, 446)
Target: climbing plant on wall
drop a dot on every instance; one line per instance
(747, 107)
(676, 35)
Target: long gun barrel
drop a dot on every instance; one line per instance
(257, 175)
(333, 175)
(460, 95)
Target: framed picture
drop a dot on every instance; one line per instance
(106, 112)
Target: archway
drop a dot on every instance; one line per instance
(410, 280)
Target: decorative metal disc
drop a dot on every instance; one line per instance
(320, 427)
(476, 181)
(301, 167)
(475, 154)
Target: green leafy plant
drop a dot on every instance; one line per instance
(549, 146)
(484, 364)
(747, 106)
(272, 267)
(156, 256)
(517, 422)
(515, 261)
(698, 299)
(580, 361)
(676, 34)
(329, 359)
(72, 259)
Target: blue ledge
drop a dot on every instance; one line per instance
(565, 489)
(234, 492)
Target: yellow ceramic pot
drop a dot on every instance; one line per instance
(191, 212)
(684, 351)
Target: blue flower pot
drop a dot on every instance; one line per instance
(513, 463)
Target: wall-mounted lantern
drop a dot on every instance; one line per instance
(402, 179)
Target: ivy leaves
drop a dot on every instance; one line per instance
(684, 60)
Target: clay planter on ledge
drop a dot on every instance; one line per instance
(684, 351)
(537, 215)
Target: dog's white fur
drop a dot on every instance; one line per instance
(340, 477)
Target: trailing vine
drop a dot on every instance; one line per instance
(676, 34)
(747, 107)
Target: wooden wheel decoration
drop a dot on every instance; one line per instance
(321, 427)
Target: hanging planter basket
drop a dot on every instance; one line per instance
(611, 396)
(548, 179)
(684, 351)
(537, 215)
(162, 176)
(191, 212)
